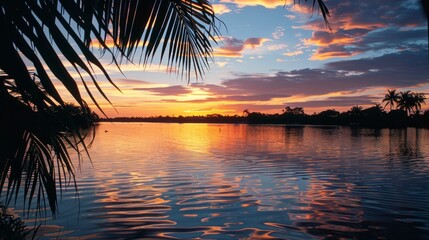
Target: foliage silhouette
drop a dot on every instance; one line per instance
(372, 117)
(37, 125)
(391, 98)
(45, 37)
(411, 102)
(12, 227)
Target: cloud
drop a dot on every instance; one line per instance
(359, 27)
(110, 43)
(220, 9)
(276, 47)
(234, 98)
(221, 64)
(320, 38)
(290, 17)
(339, 84)
(170, 90)
(253, 108)
(233, 47)
(333, 52)
(401, 69)
(131, 67)
(333, 102)
(264, 3)
(295, 53)
(295, 6)
(131, 81)
(254, 42)
(278, 33)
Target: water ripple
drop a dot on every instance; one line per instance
(191, 181)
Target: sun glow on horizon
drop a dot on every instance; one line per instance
(288, 58)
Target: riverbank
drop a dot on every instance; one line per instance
(373, 117)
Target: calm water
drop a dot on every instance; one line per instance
(216, 181)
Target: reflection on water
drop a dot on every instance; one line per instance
(217, 181)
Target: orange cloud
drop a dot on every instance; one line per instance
(264, 3)
(220, 9)
(332, 54)
(324, 38)
(363, 29)
(301, 8)
(348, 24)
(110, 43)
(233, 47)
(254, 42)
(223, 53)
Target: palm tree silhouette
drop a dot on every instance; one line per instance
(42, 38)
(406, 102)
(419, 99)
(391, 98)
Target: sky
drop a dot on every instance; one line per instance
(274, 54)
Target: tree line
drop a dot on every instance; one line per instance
(404, 111)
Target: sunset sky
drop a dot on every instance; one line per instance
(273, 55)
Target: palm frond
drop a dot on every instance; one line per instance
(39, 32)
(45, 37)
(322, 8)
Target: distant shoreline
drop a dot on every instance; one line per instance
(232, 120)
(373, 117)
(244, 120)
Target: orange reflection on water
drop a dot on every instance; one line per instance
(193, 180)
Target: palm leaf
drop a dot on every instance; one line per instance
(34, 153)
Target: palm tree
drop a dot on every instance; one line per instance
(245, 112)
(406, 101)
(419, 99)
(41, 38)
(391, 98)
(37, 33)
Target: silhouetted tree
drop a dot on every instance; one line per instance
(355, 114)
(406, 101)
(391, 98)
(373, 117)
(245, 112)
(419, 99)
(47, 36)
(294, 115)
(330, 116)
(42, 38)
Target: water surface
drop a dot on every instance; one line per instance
(220, 181)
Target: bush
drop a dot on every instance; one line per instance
(10, 226)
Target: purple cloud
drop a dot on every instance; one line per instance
(171, 90)
(361, 26)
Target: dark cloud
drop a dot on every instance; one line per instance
(131, 81)
(231, 44)
(336, 102)
(362, 26)
(233, 47)
(253, 107)
(403, 69)
(171, 90)
(254, 42)
(234, 98)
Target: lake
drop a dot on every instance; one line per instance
(221, 181)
